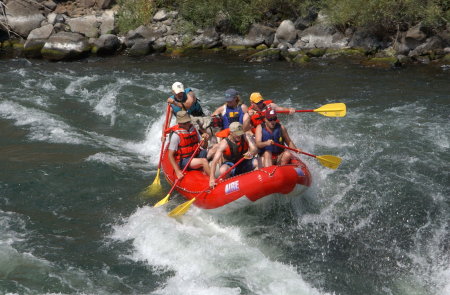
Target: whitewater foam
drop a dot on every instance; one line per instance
(207, 258)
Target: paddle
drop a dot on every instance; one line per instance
(155, 188)
(326, 160)
(166, 198)
(181, 209)
(328, 110)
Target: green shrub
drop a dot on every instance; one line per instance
(386, 14)
(133, 13)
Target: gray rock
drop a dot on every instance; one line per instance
(106, 44)
(431, 44)
(366, 39)
(64, 46)
(49, 4)
(107, 20)
(321, 36)
(208, 39)
(259, 34)
(23, 16)
(160, 16)
(87, 25)
(41, 33)
(141, 47)
(286, 32)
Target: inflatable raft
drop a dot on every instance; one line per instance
(252, 185)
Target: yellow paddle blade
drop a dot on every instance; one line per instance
(154, 189)
(181, 209)
(333, 110)
(163, 201)
(329, 161)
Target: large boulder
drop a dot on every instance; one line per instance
(207, 39)
(321, 36)
(106, 44)
(23, 16)
(36, 40)
(65, 46)
(286, 32)
(87, 25)
(261, 34)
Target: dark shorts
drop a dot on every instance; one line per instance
(245, 166)
(184, 161)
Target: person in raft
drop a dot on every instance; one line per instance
(183, 141)
(255, 114)
(268, 132)
(185, 99)
(236, 145)
(233, 110)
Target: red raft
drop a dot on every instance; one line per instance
(252, 185)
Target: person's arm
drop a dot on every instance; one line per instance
(288, 139)
(218, 111)
(246, 124)
(279, 109)
(252, 149)
(244, 108)
(258, 137)
(191, 99)
(215, 160)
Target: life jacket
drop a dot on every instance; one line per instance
(234, 151)
(275, 135)
(223, 133)
(188, 142)
(195, 110)
(231, 115)
(258, 117)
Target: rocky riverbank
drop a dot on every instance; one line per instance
(78, 29)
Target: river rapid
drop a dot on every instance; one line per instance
(80, 140)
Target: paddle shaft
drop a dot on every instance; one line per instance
(187, 165)
(166, 122)
(297, 111)
(288, 148)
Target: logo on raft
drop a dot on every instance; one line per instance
(232, 187)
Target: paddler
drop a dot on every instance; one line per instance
(233, 110)
(186, 100)
(258, 106)
(236, 145)
(183, 141)
(268, 132)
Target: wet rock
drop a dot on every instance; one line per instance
(265, 55)
(106, 45)
(36, 41)
(65, 46)
(430, 45)
(365, 38)
(209, 38)
(141, 47)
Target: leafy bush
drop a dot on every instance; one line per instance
(133, 13)
(386, 14)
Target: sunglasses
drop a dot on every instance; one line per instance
(272, 119)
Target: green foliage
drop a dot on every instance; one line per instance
(240, 14)
(133, 13)
(386, 14)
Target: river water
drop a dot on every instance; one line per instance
(79, 142)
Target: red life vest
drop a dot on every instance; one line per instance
(258, 117)
(188, 142)
(234, 151)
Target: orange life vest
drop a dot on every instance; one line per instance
(234, 151)
(188, 142)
